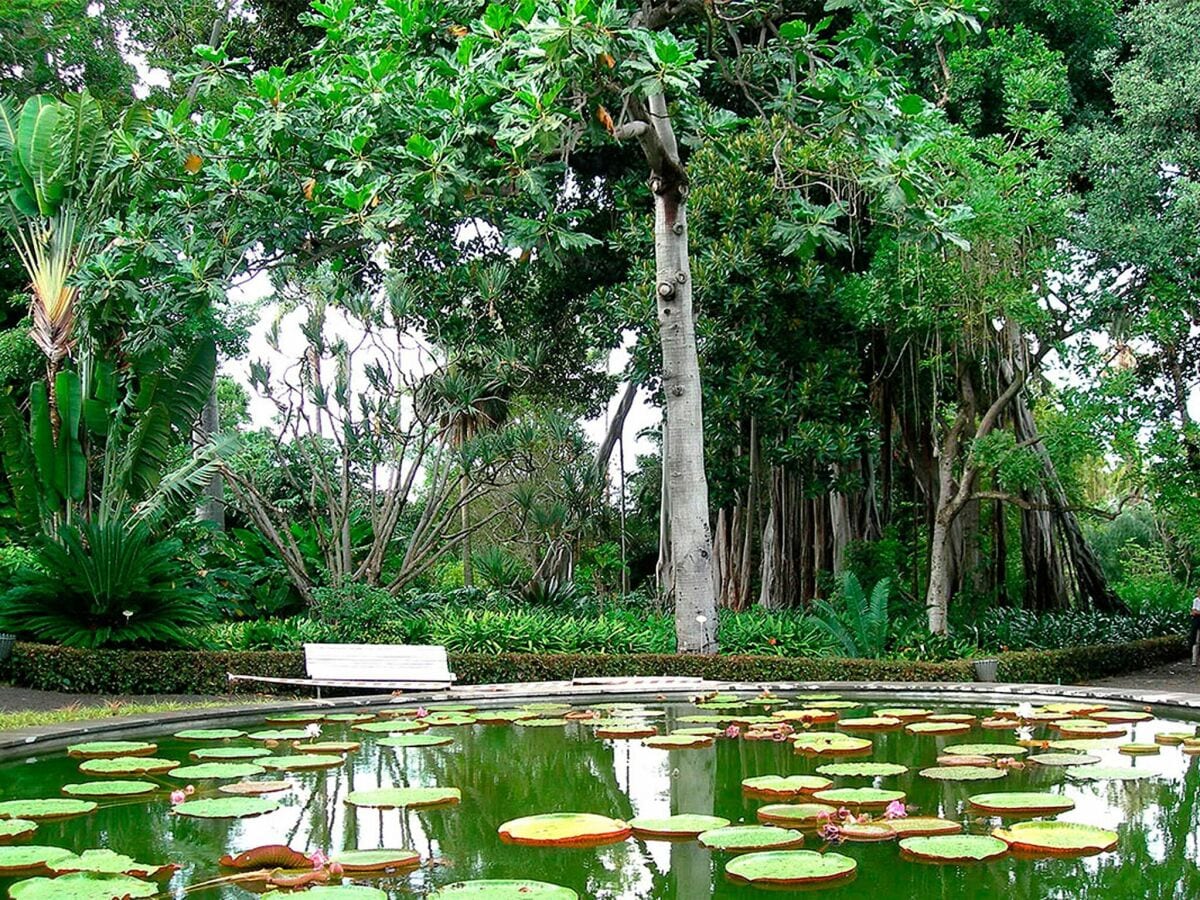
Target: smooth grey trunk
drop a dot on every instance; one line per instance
(211, 507)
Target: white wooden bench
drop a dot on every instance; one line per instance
(385, 667)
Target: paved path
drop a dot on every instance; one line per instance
(1175, 676)
(13, 699)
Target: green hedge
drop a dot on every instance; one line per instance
(202, 672)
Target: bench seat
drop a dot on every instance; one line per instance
(385, 667)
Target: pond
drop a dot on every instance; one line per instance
(1136, 784)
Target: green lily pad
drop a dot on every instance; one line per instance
(1087, 728)
(1173, 738)
(795, 815)
(255, 788)
(751, 838)
(964, 773)
(830, 743)
(871, 723)
(1080, 744)
(45, 810)
(294, 718)
(542, 707)
(83, 886)
(1063, 759)
(229, 753)
(110, 788)
(502, 716)
(709, 719)
(904, 713)
(564, 828)
(392, 726)
(861, 770)
(29, 858)
(109, 749)
(937, 728)
(678, 742)
(679, 826)
(860, 797)
(503, 889)
(302, 761)
(1057, 838)
(107, 862)
(281, 734)
(128, 765)
(330, 892)
(954, 848)
(218, 770)
(327, 748)
(1022, 803)
(349, 718)
(913, 826)
(15, 830)
(1107, 773)
(625, 732)
(527, 723)
(209, 734)
(1120, 716)
(790, 867)
(404, 797)
(785, 785)
(451, 719)
(358, 861)
(985, 750)
(1072, 708)
(226, 807)
(1140, 749)
(416, 740)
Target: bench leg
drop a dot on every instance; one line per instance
(318, 692)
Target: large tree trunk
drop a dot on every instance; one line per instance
(212, 502)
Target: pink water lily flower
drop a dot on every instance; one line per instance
(319, 859)
(732, 731)
(830, 833)
(422, 712)
(844, 815)
(177, 797)
(896, 810)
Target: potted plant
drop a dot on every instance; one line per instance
(985, 669)
(6, 645)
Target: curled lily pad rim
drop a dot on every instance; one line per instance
(792, 868)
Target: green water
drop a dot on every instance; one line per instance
(507, 771)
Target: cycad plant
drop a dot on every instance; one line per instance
(858, 623)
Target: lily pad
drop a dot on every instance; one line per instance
(1172, 738)
(1022, 803)
(302, 761)
(294, 718)
(1080, 744)
(415, 740)
(830, 743)
(543, 707)
(946, 759)
(795, 815)
(954, 848)
(871, 723)
(355, 862)
(503, 889)
(349, 718)
(785, 785)
(1071, 708)
(827, 702)
(45, 810)
(29, 858)
(938, 728)
(862, 769)
(678, 742)
(1107, 773)
(790, 867)
(860, 797)
(960, 718)
(216, 770)
(866, 832)
(229, 753)
(110, 788)
(282, 734)
(1140, 749)
(209, 734)
(404, 797)
(812, 716)
(706, 730)
(625, 732)
(226, 807)
(128, 765)
(109, 749)
(530, 723)
(449, 719)
(1063, 759)
(324, 748)
(267, 856)
(108, 862)
(1119, 716)
(1087, 728)
(912, 826)
(83, 886)
(986, 750)
(330, 892)
(751, 838)
(502, 716)
(565, 828)
(904, 713)
(15, 830)
(1057, 838)
(391, 726)
(254, 788)
(679, 826)
(964, 773)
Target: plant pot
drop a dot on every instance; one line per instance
(6, 645)
(985, 669)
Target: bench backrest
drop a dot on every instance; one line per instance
(377, 662)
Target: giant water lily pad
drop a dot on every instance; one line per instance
(795, 815)
(110, 789)
(391, 726)
(107, 862)
(45, 810)
(938, 728)
(29, 858)
(356, 862)
(349, 718)
(1057, 838)
(229, 753)
(564, 828)
(254, 788)
(862, 769)
(543, 707)
(326, 748)
(1087, 728)
(986, 750)
(1063, 759)
(1172, 738)
(267, 856)
(865, 832)
(502, 716)
(1140, 749)
(128, 765)
(678, 742)
(282, 734)
(871, 723)
(83, 886)
(912, 826)
(503, 889)
(1022, 803)
(217, 770)
(960, 718)
(963, 773)
(790, 867)
(678, 826)
(1107, 773)
(450, 719)
(15, 830)
(330, 892)
(830, 743)
(415, 740)
(529, 723)
(294, 718)
(812, 716)
(109, 749)
(625, 732)
(785, 785)
(751, 838)
(303, 761)
(226, 807)
(209, 734)
(404, 797)
(1073, 708)
(1122, 716)
(954, 848)
(904, 713)
(860, 797)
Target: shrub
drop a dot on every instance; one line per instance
(858, 624)
(355, 612)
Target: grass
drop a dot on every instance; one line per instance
(30, 718)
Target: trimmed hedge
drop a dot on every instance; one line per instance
(203, 672)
